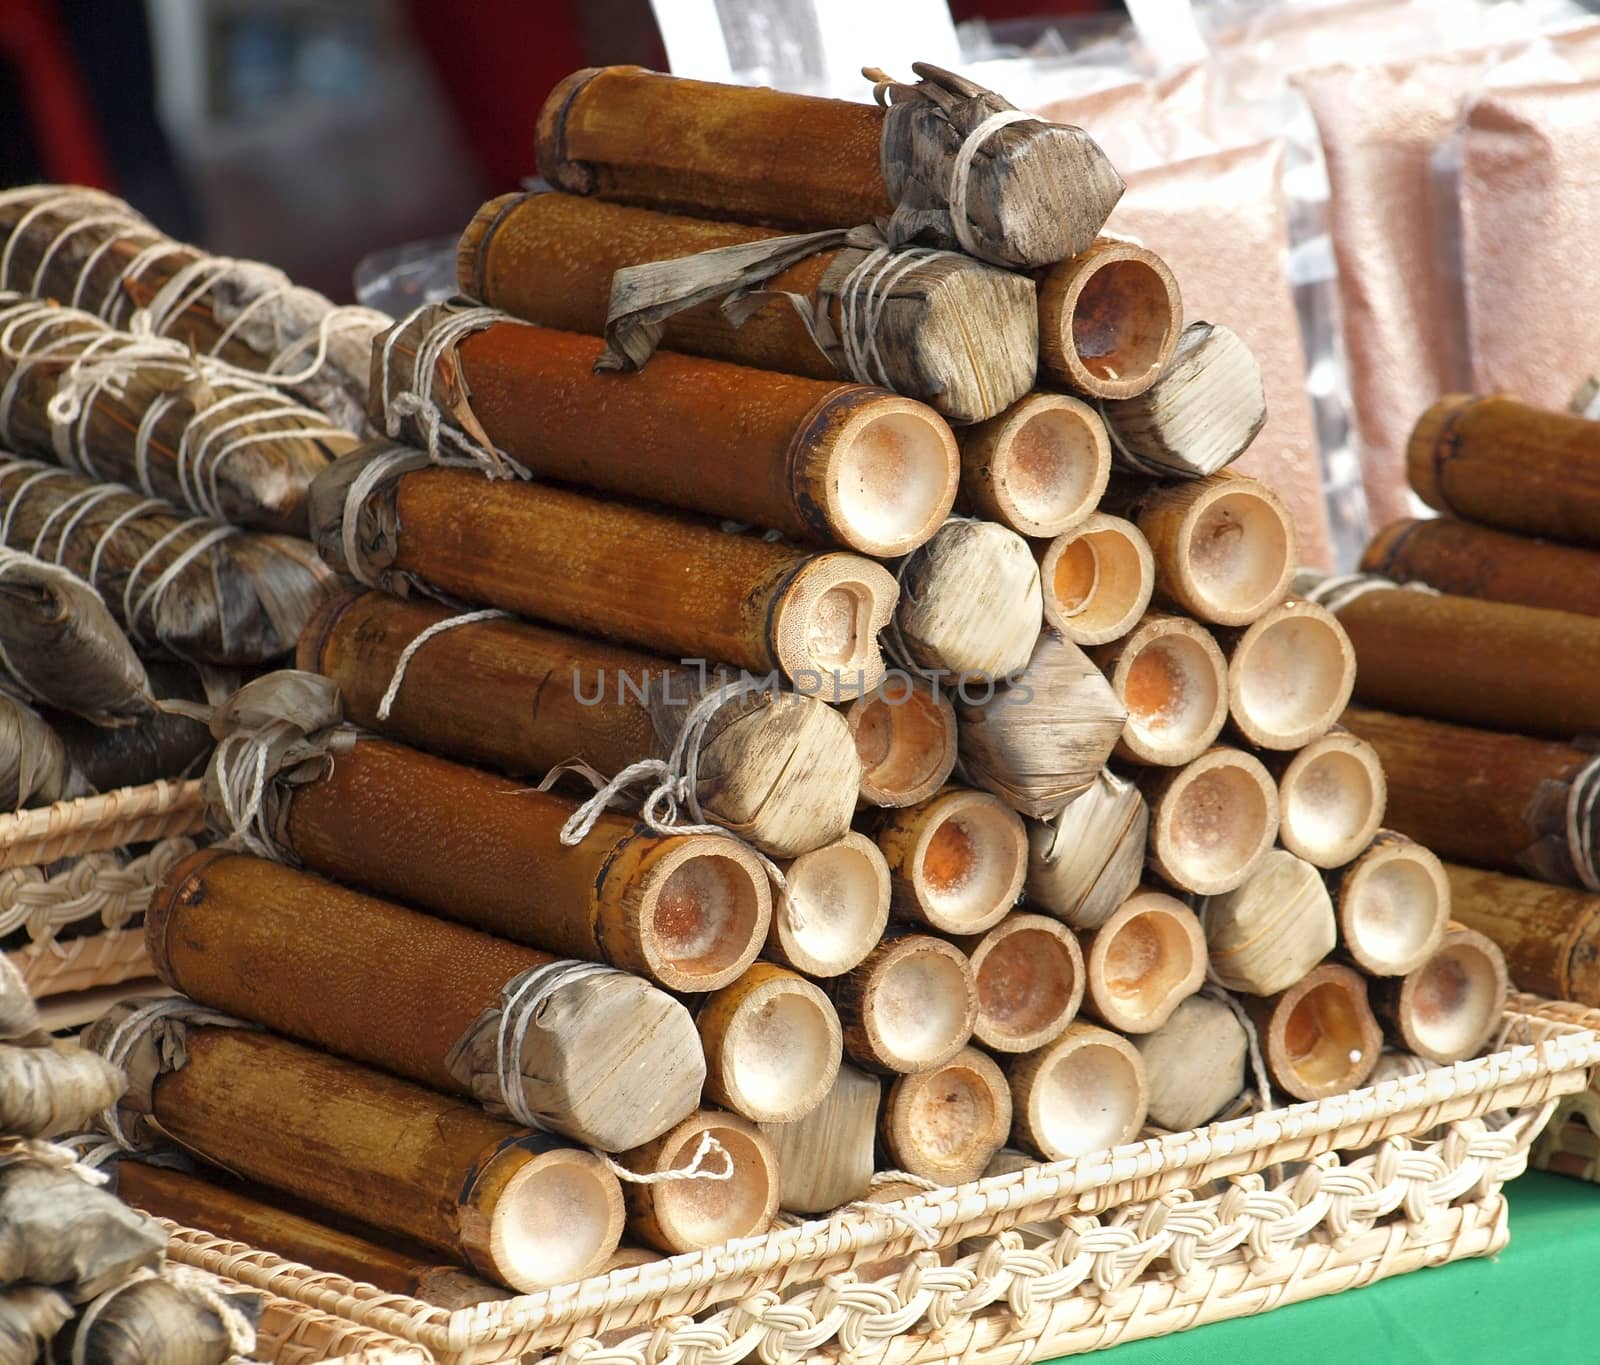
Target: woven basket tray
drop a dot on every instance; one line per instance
(1381, 1181)
(1570, 1143)
(163, 813)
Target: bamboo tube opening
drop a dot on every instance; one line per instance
(922, 1006)
(704, 914)
(1331, 800)
(1451, 1004)
(1097, 579)
(1120, 315)
(970, 863)
(1322, 1038)
(841, 893)
(945, 1125)
(1235, 554)
(1173, 680)
(1030, 982)
(1393, 908)
(1045, 465)
(558, 1219)
(779, 1053)
(893, 479)
(906, 743)
(1214, 822)
(692, 1214)
(1290, 676)
(827, 620)
(1086, 1093)
(1145, 961)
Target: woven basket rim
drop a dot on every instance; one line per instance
(105, 820)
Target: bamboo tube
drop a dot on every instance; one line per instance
(825, 1158)
(1225, 546)
(1448, 1008)
(157, 1319)
(1086, 1092)
(970, 604)
(905, 737)
(1475, 663)
(153, 415)
(1318, 1037)
(777, 769)
(62, 1231)
(1550, 935)
(1039, 467)
(1097, 579)
(822, 461)
(910, 1006)
(30, 1315)
(1393, 903)
(1467, 560)
(1290, 674)
(689, 911)
(956, 862)
(1173, 680)
(174, 583)
(194, 1201)
(68, 242)
(945, 1125)
(1087, 861)
(1212, 822)
(1036, 192)
(1332, 795)
(608, 1060)
(1475, 796)
(1030, 975)
(1274, 928)
(772, 1042)
(47, 1091)
(1109, 320)
(1039, 741)
(1195, 1062)
(1201, 414)
(1143, 962)
(1509, 464)
(552, 258)
(520, 1208)
(689, 1215)
(681, 587)
(839, 895)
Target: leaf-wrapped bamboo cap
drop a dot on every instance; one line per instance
(1267, 933)
(1083, 864)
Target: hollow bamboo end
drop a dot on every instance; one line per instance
(840, 897)
(946, 1124)
(1290, 676)
(472, 251)
(319, 627)
(1331, 800)
(549, 133)
(774, 1056)
(1449, 1007)
(1213, 822)
(972, 606)
(906, 739)
(703, 909)
(1041, 467)
(1109, 320)
(1235, 552)
(1087, 1092)
(890, 476)
(689, 1215)
(968, 863)
(1030, 975)
(1425, 449)
(826, 623)
(547, 1218)
(1321, 1037)
(1097, 579)
(1394, 905)
(1171, 677)
(1144, 962)
(1378, 557)
(920, 1005)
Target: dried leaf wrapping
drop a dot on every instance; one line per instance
(29, 1317)
(154, 1320)
(163, 745)
(56, 1229)
(33, 765)
(60, 646)
(49, 1091)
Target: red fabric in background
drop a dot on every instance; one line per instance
(61, 120)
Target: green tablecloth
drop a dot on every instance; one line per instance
(1534, 1303)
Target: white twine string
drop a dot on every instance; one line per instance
(696, 1169)
(188, 1282)
(239, 766)
(55, 1155)
(864, 295)
(373, 473)
(961, 178)
(1213, 990)
(1582, 796)
(895, 1212)
(390, 693)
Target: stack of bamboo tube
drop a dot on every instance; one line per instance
(754, 860)
(1477, 682)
